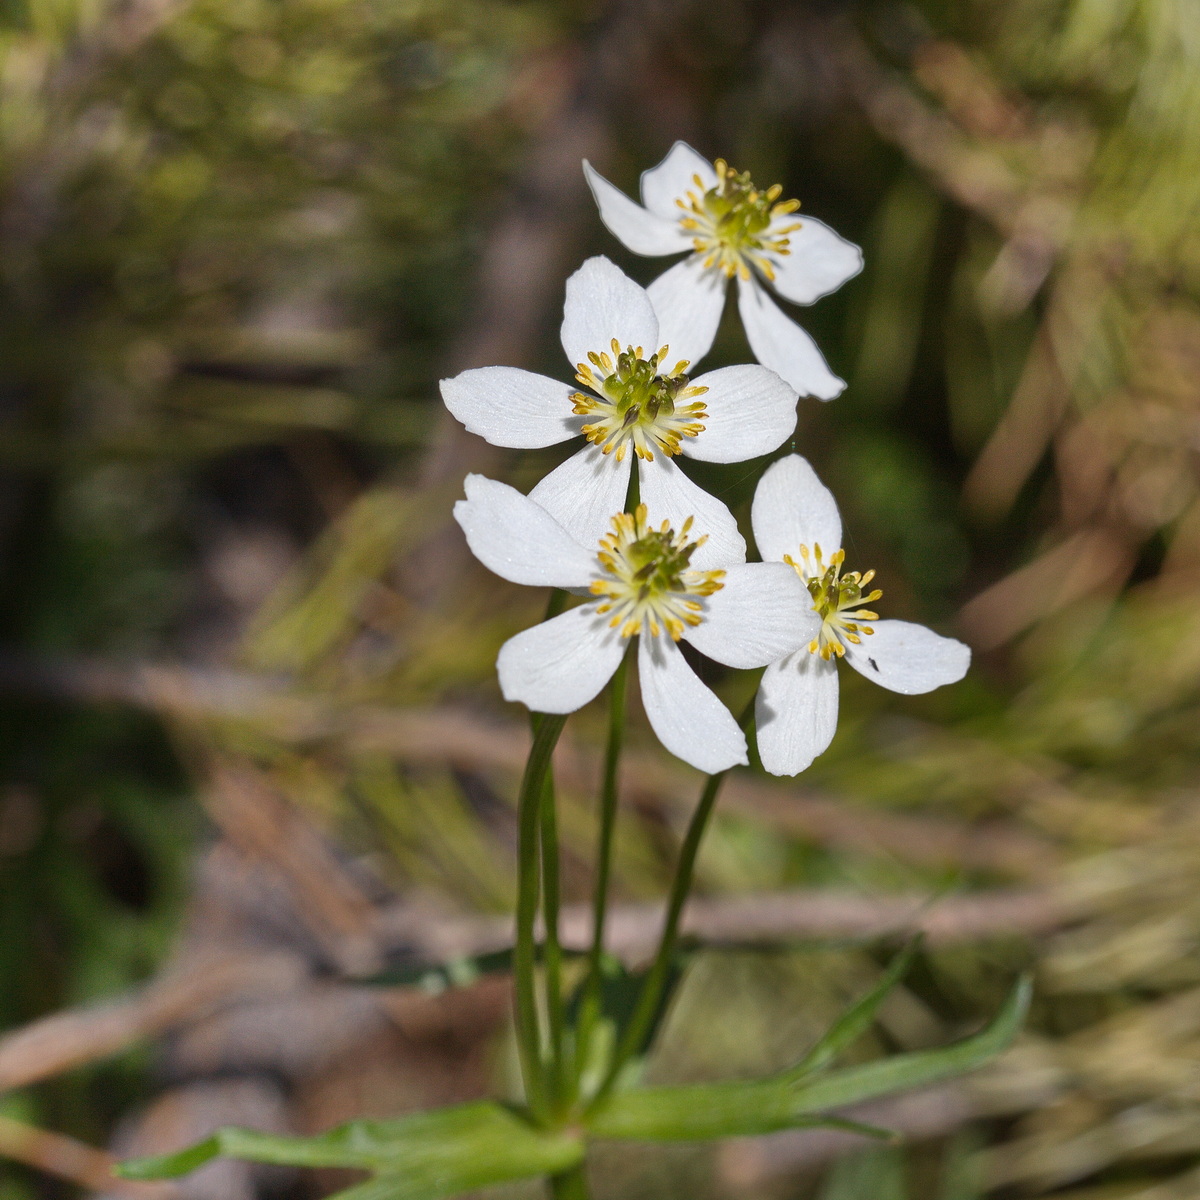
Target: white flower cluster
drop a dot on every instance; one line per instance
(674, 568)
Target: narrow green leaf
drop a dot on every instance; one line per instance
(904, 1071)
(421, 1157)
(856, 1020)
(170, 1166)
(716, 1110)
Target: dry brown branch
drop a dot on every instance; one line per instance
(764, 918)
(68, 1159)
(964, 170)
(70, 1039)
(209, 985)
(465, 740)
(268, 828)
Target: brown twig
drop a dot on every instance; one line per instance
(264, 825)
(761, 918)
(70, 1039)
(66, 1158)
(463, 739)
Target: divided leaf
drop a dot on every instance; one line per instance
(422, 1157)
(717, 1110)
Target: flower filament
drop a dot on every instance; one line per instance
(634, 405)
(731, 223)
(836, 599)
(648, 582)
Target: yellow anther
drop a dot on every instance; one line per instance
(837, 598)
(648, 582)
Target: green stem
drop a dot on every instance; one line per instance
(570, 1185)
(656, 979)
(589, 1009)
(547, 729)
(552, 951)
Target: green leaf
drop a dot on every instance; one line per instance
(717, 1110)
(421, 1157)
(857, 1019)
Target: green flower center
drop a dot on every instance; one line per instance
(633, 404)
(649, 583)
(836, 599)
(731, 223)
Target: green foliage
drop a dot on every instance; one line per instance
(416, 1158)
(440, 1153)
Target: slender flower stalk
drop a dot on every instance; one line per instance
(589, 1009)
(655, 982)
(546, 735)
(551, 949)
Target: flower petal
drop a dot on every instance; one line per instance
(561, 664)
(796, 712)
(687, 717)
(779, 343)
(641, 231)
(762, 614)
(672, 179)
(584, 493)
(604, 303)
(519, 539)
(792, 507)
(751, 411)
(908, 658)
(688, 300)
(510, 407)
(819, 261)
(669, 494)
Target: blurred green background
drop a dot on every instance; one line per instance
(241, 240)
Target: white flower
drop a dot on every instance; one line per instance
(796, 521)
(731, 228)
(645, 581)
(635, 401)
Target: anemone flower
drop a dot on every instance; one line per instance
(654, 582)
(636, 405)
(733, 229)
(796, 522)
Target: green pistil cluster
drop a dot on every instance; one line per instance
(836, 598)
(649, 582)
(636, 405)
(740, 212)
(731, 223)
(638, 391)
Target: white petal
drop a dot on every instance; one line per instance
(792, 507)
(561, 664)
(669, 494)
(584, 493)
(779, 343)
(641, 231)
(519, 539)
(818, 261)
(761, 615)
(672, 179)
(688, 719)
(908, 658)
(796, 712)
(604, 303)
(751, 411)
(510, 407)
(688, 300)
